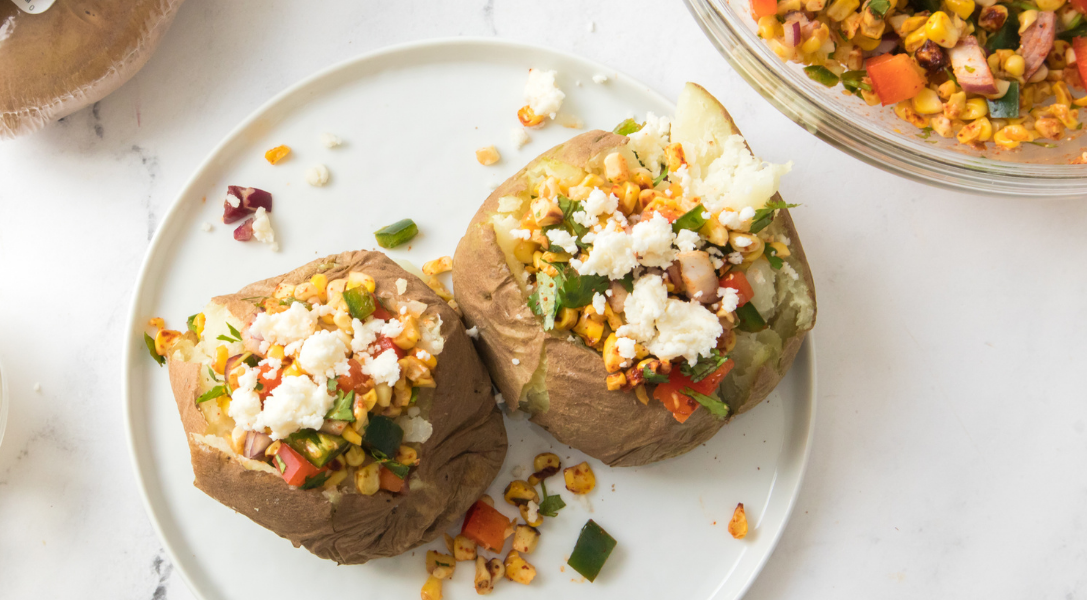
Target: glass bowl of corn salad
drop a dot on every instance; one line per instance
(991, 102)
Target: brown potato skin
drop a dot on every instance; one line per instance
(458, 462)
(612, 426)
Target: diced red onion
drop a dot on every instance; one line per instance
(618, 298)
(792, 34)
(971, 67)
(244, 232)
(1037, 41)
(252, 199)
(249, 200)
(255, 444)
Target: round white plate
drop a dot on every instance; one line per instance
(411, 118)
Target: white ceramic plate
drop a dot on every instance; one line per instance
(411, 118)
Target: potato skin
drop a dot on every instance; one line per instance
(612, 426)
(459, 461)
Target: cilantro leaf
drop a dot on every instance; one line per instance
(550, 505)
(713, 404)
(750, 319)
(627, 127)
(765, 215)
(879, 8)
(150, 343)
(316, 480)
(398, 469)
(211, 394)
(691, 219)
(341, 409)
(652, 377)
(771, 255)
(660, 178)
(705, 366)
(574, 290)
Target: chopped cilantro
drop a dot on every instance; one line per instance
(212, 394)
(713, 404)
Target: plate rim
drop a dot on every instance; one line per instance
(133, 347)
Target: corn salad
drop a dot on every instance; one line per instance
(988, 73)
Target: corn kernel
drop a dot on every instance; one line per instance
(963, 8)
(221, 354)
(1015, 65)
(352, 436)
(866, 43)
(941, 30)
(927, 102)
(980, 130)
(975, 108)
(1026, 19)
(487, 155)
(915, 40)
(841, 9)
(275, 351)
(770, 28)
(1048, 5)
(157, 324)
(277, 154)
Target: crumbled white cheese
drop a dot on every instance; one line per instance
(414, 411)
(296, 403)
(682, 176)
(430, 338)
(563, 239)
(516, 361)
(245, 405)
(541, 93)
(473, 332)
(262, 227)
(292, 325)
(317, 175)
(330, 140)
(417, 430)
(205, 226)
(233, 200)
(652, 241)
(649, 142)
(687, 240)
(384, 368)
(599, 78)
(532, 512)
(364, 334)
(626, 347)
(392, 328)
(584, 219)
(521, 234)
(600, 203)
(401, 286)
(735, 258)
(519, 137)
(741, 242)
(599, 301)
(508, 204)
(612, 254)
(729, 298)
(685, 329)
(642, 308)
(717, 262)
(790, 271)
(321, 352)
(747, 213)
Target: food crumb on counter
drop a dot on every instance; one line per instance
(487, 155)
(519, 137)
(600, 78)
(330, 140)
(205, 226)
(490, 184)
(317, 175)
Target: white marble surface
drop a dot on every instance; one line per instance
(951, 438)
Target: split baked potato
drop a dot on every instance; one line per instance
(340, 405)
(635, 290)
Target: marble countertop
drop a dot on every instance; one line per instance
(950, 444)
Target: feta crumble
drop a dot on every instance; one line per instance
(652, 241)
(296, 403)
(541, 93)
(735, 258)
(519, 137)
(473, 332)
(321, 352)
(205, 226)
(233, 200)
(416, 429)
(521, 234)
(730, 300)
(330, 140)
(650, 140)
(290, 326)
(384, 368)
(563, 239)
(317, 175)
(790, 271)
(599, 203)
(687, 240)
(262, 227)
(599, 78)
(599, 302)
(612, 254)
(626, 347)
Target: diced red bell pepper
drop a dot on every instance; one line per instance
(386, 343)
(1081, 6)
(354, 379)
(764, 8)
(1079, 45)
(738, 281)
(484, 525)
(379, 310)
(894, 78)
(387, 480)
(294, 468)
(269, 379)
(681, 405)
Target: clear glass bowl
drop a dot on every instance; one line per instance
(3, 404)
(874, 134)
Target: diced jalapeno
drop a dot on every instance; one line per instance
(592, 550)
(360, 303)
(1007, 106)
(396, 234)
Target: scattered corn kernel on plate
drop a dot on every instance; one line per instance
(670, 520)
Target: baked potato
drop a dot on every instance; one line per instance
(341, 406)
(622, 271)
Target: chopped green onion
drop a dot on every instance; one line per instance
(396, 234)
